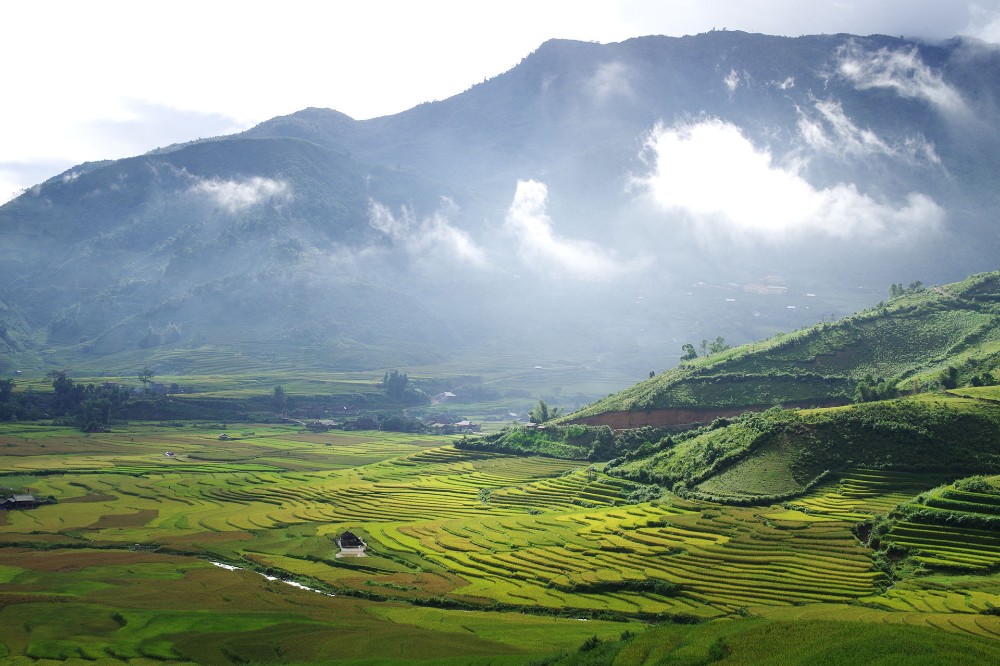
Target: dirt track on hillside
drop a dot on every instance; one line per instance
(660, 418)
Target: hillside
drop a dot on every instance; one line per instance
(533, 213)
(920, 339)
(779, 454)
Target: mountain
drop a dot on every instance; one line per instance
(599, 205)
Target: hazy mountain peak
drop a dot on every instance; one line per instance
(628, 196)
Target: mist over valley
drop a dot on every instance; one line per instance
(597, 206)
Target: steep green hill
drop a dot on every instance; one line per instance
(781, 453)
(922, 338)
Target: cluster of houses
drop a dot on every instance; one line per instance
(455, 428)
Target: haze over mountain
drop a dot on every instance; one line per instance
(597, 204)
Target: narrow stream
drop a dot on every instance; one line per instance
(230, 567)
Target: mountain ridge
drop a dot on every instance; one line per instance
(542, 188)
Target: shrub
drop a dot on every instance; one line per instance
(976, 484)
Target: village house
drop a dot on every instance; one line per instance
(440, 398)
(351, 545)
(19, 502)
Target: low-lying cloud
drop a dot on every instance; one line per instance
(610, 79)
(732, 81)
(984, 23)
(830, 130)
(901, 71)
(238, 195)
(713, 175)
(429, 236)
(544, 250)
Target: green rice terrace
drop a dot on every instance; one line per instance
(161, 543)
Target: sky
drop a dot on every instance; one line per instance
(107, 79)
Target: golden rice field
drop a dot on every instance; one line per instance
(129, 540)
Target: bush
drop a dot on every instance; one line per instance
(976, 484)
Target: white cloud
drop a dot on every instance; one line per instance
(10, 185)
(235, 196)
(732, 81)
(610, 79)
(712, 174)
(541, 248)
(850, 137)
(834, 132)
(432, 236)
(787, 84)
(901, 71)
(984, 23)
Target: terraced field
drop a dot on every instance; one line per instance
(447, 527)
(860, 493)
(951, 528)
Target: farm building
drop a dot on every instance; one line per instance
(351, 545)
(350, 540)
(452, 428)
(440, 398)
(19, 502)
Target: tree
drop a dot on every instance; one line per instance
(541, 413)
(279, 399)
(949, 377)
(145, 376)
(870, 388)
(983, 379)
(95, 415)
(68, 395)
(603, 447)
(8, 407)
(394, 384)
(690, 353)
(720, 345)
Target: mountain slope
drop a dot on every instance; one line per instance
(538, 211)
(782, 453)
(905, 343)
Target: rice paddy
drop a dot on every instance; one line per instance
(125, 547)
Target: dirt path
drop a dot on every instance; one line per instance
(660, 418)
